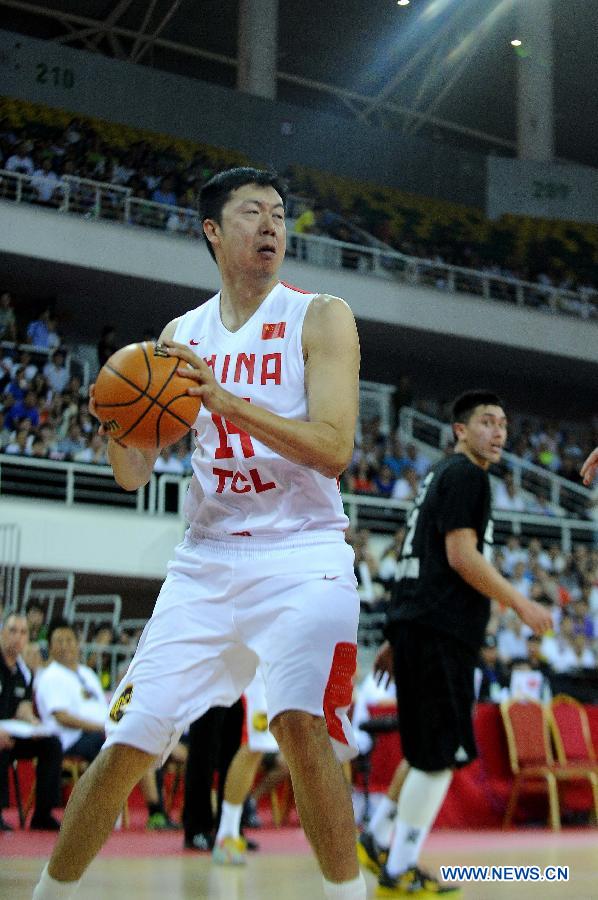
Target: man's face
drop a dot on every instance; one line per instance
(35, 617)
(64, 647)
(252, 233)
(14, 636)
(484, 435)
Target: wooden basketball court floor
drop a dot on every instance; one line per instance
(154, 867)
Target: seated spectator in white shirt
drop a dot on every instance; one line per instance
(169, 462)
(512, 639)
(45, 183)
(370, 692)
(513, 553)
(508, 496)
(20, 161)
(94, 453)
(56, 372)
(420, 462)
(406, 486)
(521, 580)
(69, 696)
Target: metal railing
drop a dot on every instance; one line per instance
(10, 563)
(566, 496)
(76, 484)
(94, 199)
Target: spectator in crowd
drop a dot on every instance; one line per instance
(513, 553)
(384, 481)
(389, 558)
(56, 372)
(406, 486)
(165, 192)
(508, 496)
(95, 452)
(8, 322)
(417, 460)
(168, 461)
(107, 344)
(512, 639)
(36, 620)
(20, 162)
(69, 696)
(46, 185)
(360, 481)
(42, 332)
(494, 674)
(16, 703)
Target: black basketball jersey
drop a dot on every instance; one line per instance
(455, 494)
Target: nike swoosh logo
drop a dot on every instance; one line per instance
(193, 343)
(331, 577)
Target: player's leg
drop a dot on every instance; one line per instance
(434, 677)
(229, 847)
(309, 650)
(175, 675)
(92, 810)
(374, 841)
(321, 792)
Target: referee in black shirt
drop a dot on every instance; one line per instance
(16, 703)
(439, 611)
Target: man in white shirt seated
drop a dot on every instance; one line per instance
(69, 695)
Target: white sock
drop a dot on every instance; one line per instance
(382, 821)
(421, 797)
(346, 890)
(230, 820)
(49, 889)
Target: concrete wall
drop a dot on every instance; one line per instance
(135, 257)
(277, 134)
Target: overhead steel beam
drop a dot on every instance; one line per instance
(340, 93)
(110, 21)
(146, 20)
(152, 39)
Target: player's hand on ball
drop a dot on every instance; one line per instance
(205, 385)
(92, 407)
(383, 664)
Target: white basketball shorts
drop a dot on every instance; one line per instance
(259, 737)
(290, 603)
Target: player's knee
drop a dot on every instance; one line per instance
(120, 764)
(295, 728)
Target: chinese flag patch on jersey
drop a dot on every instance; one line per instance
(273, 330)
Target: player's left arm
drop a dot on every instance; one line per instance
(331, 351)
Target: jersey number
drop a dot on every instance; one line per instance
(225, 429)
(407, 548)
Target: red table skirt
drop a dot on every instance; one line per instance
(479, 792)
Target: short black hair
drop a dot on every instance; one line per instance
(465, 404)
(34, 603)
(215, 192)
(59, 622)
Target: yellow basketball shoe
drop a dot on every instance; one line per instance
(369, 853)
(414, 883)
(230, 851)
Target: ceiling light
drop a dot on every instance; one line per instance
(515, 42)
(403, 2)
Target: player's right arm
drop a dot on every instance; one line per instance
(590, 467)
(132, 467)
(472, 566)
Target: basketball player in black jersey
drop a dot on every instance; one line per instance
(437, 621)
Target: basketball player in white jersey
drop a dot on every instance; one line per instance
(264, 571)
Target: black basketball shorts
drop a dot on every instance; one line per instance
(435, 696)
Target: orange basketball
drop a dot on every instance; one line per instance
(140, 399)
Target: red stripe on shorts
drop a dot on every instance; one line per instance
(339, 690)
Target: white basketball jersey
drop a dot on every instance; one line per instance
(239, 485)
